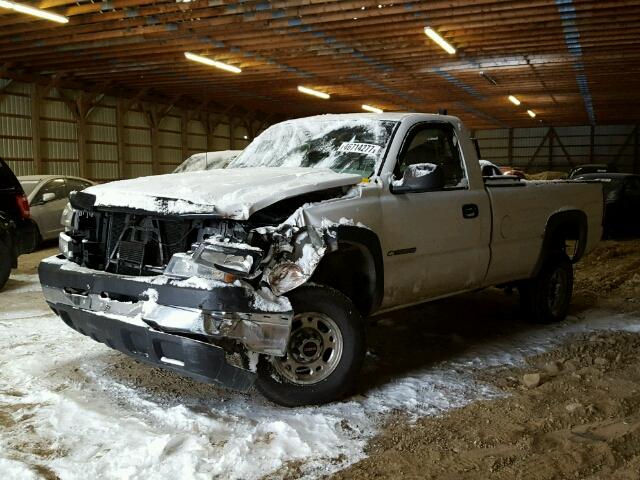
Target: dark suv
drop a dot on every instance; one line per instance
(17, 230)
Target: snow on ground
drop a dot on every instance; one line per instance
(74, 407)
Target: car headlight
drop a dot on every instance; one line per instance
(66, 220)
(65, 245)
(212, 259)
(238, 259)
(182, 265)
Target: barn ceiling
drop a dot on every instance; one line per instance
(569, 61)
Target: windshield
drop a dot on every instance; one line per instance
(207, 161)
(610, 184)
(351, 145)
(28, 186)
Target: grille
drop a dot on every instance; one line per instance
(116, 226)
(173, 237)
(131, 252)
(132, 243)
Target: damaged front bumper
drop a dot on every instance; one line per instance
(167, 322)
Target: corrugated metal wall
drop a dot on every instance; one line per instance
(561, 148)
(178, 135)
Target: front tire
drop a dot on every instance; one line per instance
(325, 352)
(546, 297)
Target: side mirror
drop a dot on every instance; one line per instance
(48, 197)
(420, 177)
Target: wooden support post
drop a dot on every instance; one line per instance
(552, 133)
(82, 146)
(232, 133)
(36, 146)
(209, 125)
(510, 148)
(3, 90)
(539, 148)
(636, 151)
(184, 134)
(155, 150)
(81, 108)
(592, 142)
(564, 150)
(248, 123)
(153, 119)
(122, 161)
(631, 137)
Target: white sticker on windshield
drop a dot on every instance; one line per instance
(366, 148)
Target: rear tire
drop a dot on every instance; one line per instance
(325, 352)
(6, 262)
(546, 297)
(38, 239)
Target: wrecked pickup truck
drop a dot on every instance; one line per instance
(263, 273)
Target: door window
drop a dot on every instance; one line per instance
(75, 186)
(632, 187)
(436, 144)
(55, 186)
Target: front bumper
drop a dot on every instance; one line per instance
(163, 321)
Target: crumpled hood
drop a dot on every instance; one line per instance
(233, 193)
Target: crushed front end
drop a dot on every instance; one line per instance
(192, 293)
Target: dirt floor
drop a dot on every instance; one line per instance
(439, 396)
(572, 412)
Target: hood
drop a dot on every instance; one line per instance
(232, 193)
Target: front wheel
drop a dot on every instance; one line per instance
(546, 297)
(325, 351)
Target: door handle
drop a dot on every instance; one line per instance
(470, 210)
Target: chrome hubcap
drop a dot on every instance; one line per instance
(314, 350)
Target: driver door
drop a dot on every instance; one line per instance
(437, 242)
(47, 212)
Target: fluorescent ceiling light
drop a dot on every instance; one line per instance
(211, 63)
(433, 35)
(531, 113)
(315, 93)
(369, 108)
(513, 100)
(36, 12)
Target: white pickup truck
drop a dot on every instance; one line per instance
(264, 272)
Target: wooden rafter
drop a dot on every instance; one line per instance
(359, 55)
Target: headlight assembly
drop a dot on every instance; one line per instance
(212, 259)
(68, 214)
(229, 258)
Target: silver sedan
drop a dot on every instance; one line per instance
(48, 195)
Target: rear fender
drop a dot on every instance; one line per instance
(562, 226)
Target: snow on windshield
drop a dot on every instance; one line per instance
(351, 145)
(207, 161)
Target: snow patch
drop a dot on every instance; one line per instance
(99, 414)
(207, 161)
(265, 301)
(106, 416)
(233, 192)
(326, 223)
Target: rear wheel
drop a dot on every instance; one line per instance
(325, 351)
(6, 261)
(38, 239)
(546, 297)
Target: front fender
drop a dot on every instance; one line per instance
(368, 243)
